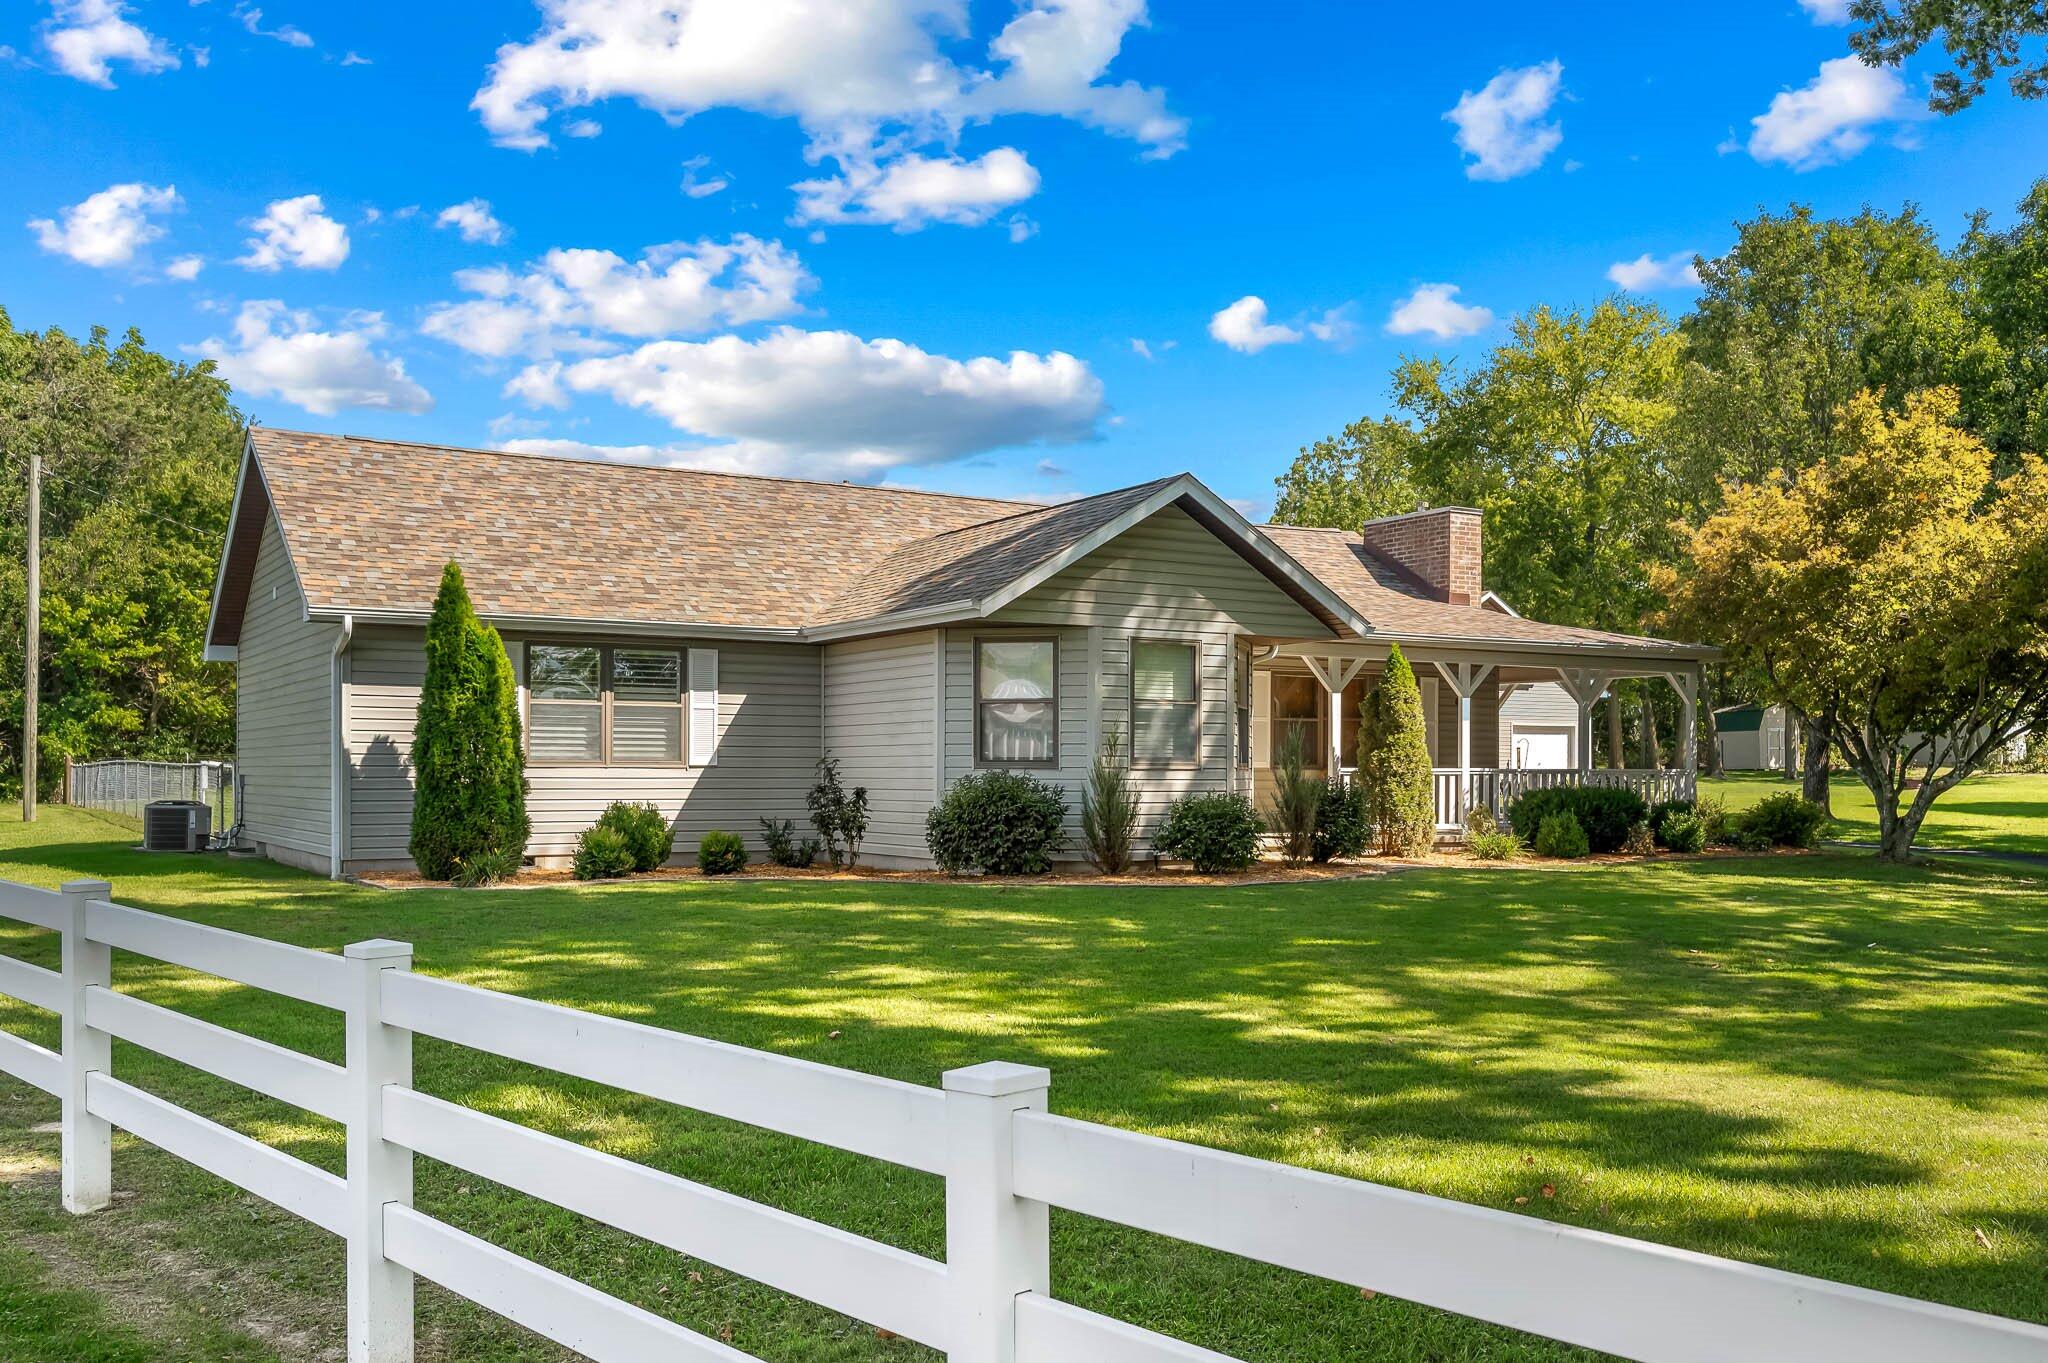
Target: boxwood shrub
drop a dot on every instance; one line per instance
(721, 853)
(1217, 832)
(644, 829)
(1786, 819)
(1003, 823)
(1342, 829)
(1603, 813)
(601, 853)
(1561, 835)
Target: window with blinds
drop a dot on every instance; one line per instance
(1016, 702)
(565, 711)
(593, 703)
(1166, 709)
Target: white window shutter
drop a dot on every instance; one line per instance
(703, 707)
(1431, 721)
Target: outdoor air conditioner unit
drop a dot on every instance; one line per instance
(176, 826)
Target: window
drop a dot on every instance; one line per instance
(1298, 710)
(1244, 710)
(1016, 702)
(1166, 709)
(593, 704)
(567, 707)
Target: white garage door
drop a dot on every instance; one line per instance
(1549, 749)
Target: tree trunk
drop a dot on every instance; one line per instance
(1814, 776)
(1791, 743)
(1617, 756)
(1653, 751)
(1709, 732)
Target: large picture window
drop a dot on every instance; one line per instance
(1166, 708)
(1016, 702)
(590, 703)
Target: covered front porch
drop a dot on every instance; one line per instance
(1313, 689)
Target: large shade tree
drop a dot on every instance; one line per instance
(1895, 589)
(1983, 38)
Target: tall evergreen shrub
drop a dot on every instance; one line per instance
(1393, 763)
(469, 767)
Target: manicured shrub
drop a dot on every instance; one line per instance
(646, 832)
(469, 766)
(1782, 820)
(601, 853)
(1604, 813)
(1393, 762)
(1662, 808)
(1109, 810)
(1493, 846)
(487, 868)
(1217, 832)
(1713, 816)
(1561, 835)
(721, 853)
(1297, 796)
(779, 836)
(1342, 829)
(1640, 841)
(840, 815)
(1004, 823)
(1682, 830)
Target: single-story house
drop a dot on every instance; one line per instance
(699, 640)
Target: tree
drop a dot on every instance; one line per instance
(1109, 809)
(1393, 762)
(1896, 591)
(469, 766)
(2008, 298)
(1982, 38)
(1345, 480)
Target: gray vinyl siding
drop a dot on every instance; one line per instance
(769, 737)
(284, 715)
(1546, 705)
(1167, 578)
(880, 699)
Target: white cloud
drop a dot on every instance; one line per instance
(1433, 310)
(278, 352)
(1830, 118)
(569, 299)
(1022, 228)
(1827, 11)
(185, 267)
(701, 187)
(109, 227)
(1500, 126)
(1151, 350)
(1335, 327)
(829, 403)
(288, 34)
(1647, 272)
(914, 191)
(1243, 326)
(583, 127)
(474, 219)
(86, 37)
(296, 232)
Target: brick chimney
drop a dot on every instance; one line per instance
(1438, 547)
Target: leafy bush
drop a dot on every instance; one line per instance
(1297, 797)
(1641, 841)
(646, 832)
(1662, 808)
(1480, 821)
(1109, 810)
(1604, 813)
(840, 815)
(1341, 826)
(1493, 845)
(1561, 835)
(601, 853)
(487, 868)
(1393, 762)
(1713, 816)
(1682, 830)
(721, 853)
(1785, 819)
(779, 836)
(1003, 822)
(469, 767)
(1217, 832)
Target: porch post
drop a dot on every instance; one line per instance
(1335, 674)
(1687, 684)
(1584, 685)
(1465, 680)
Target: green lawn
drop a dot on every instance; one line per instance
(1987, 813)
(1816, 1063)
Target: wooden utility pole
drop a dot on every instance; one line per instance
(32, 672)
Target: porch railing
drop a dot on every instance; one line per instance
(1499, 788)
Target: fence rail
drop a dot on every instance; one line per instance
(1004, 1158)
(122, 786)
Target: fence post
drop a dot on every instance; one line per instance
(996, 1242)
(380, 1317)
(88, 1142)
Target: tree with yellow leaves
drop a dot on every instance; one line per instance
(1896, 588)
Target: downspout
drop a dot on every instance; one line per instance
(337, 792)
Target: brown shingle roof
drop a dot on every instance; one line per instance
(1393, 602)
(371, 522)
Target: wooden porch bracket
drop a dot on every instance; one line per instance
(1335, 673)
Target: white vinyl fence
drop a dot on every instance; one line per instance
(1004, 1158)
(124, 787)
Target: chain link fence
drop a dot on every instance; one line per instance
(124, 787)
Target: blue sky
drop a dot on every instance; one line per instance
(1019, 247)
